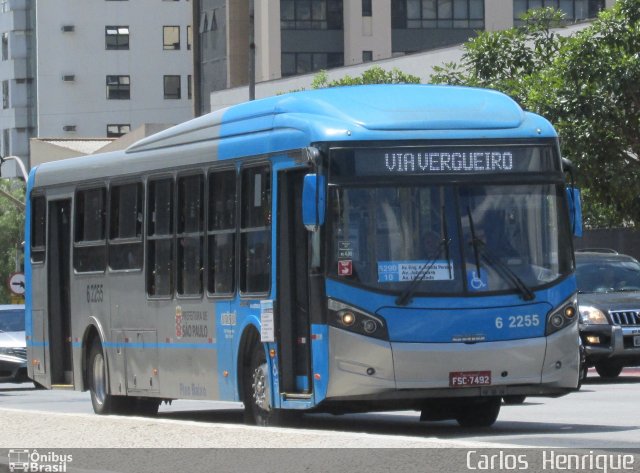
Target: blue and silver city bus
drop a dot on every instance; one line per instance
(340, 250)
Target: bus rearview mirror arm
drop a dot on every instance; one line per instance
(574, 200)
(313, 192)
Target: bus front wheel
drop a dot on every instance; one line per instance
(257, 394)
(480, 414)
(257, 389)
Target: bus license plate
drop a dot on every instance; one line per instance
(636, 340)
(467, 379)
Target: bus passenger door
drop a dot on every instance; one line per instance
(293, 287)
(58, 279)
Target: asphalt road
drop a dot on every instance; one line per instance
(603, 415)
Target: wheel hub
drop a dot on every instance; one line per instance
(261, 390)
(99, 382)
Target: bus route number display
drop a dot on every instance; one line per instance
(406, 271)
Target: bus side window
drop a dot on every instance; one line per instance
(90, 249)
(255, 230)
(221, 234)
(190, 235)
(160, 238)
(38, 229)
(125, 229)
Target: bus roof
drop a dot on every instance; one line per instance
(295, 120)
(371, 110)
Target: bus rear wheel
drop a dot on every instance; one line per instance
(514, 399)
(103, 402)
(483, 413)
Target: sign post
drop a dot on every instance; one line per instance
(17, 287)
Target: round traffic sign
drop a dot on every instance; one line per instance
(17, 284)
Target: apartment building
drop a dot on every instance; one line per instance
(294, 37)
(100, 68)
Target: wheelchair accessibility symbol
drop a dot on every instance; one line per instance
(475, 282)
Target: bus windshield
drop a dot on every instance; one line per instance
(450, 239)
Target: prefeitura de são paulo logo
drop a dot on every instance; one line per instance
(34, 461)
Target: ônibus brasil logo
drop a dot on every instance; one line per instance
(34, 461)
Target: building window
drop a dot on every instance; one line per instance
(170, 37)
(189, 37)
(367, 9)
(160, 238)
(38, 229)
(171, 87)
(367, 56)
(311, 14)
(125, 229)
(221, 234)
(116, 130)
(5, 46)
(255, 231)
(116, 37)
(416, 14)
(190, 236)
(304, 63)
(90, 249)
(189, 88)
(118, 87)
(6, 144)
(5, 94)
(574, 10)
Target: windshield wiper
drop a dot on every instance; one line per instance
(506, 272)
(405, 297)
(480, 250)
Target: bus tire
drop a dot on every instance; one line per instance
(514, 399)
(608, 370)
(146, 407)
(257, 393)
(103, 402)
(257, 389)
(480, 414)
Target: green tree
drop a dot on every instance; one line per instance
(11, 232)
(587, 85)
(507, 60)
(373, 75)
(595, 105)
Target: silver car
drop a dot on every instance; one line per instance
(13, 345)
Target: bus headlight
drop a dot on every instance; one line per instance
(563, 316)
(589, 315)
(355, 320)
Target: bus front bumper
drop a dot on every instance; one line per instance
(367, 368)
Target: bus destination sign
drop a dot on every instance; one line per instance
(461, 160)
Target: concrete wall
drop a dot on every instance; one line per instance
(498, 15)
(371, 33)
(268, 40)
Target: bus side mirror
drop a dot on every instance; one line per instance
(575, 210)
(313, 202)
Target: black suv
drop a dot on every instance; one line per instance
(609, 304)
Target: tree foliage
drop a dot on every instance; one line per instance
(374, 75)
(11, 233)
(587, 85)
